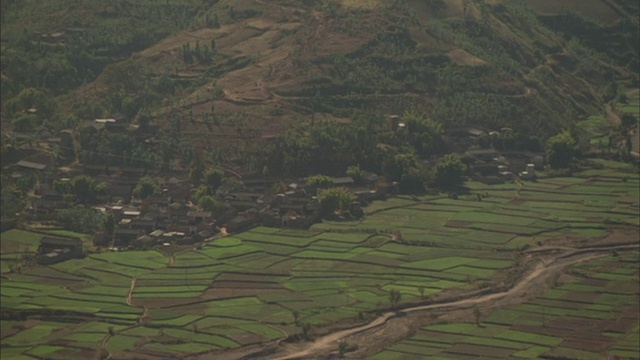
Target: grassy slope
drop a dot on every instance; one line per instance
(274, 59)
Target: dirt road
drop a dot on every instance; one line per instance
(540, 273)
(131, 289)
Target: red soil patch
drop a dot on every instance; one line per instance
(559, 304)
(246, 285)
(595, 282)
(458, 223)
(246, 338)
(584, 297)
(224, 293)
(623, 325)
(632, 312)
(572, 323)
(481, 351)
(543, 330)
(593, 343)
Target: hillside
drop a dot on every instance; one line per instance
(290, 58)
(249, 69)
(288, 179)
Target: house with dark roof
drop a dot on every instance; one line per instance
(53, 250)
(146, 225)
(342, 181)
(196, 217)
(144, 242)
(123, 237)
(30, 165)
(95, 170)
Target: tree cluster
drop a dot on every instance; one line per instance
(335, 201)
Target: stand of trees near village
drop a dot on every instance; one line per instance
(60, 72)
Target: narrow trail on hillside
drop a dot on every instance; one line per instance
(101, 350)
(540, 272)
(131, 289)
(611, 114)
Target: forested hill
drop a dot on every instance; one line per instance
(257, 67)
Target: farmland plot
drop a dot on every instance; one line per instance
(576, 320)
(266, 283)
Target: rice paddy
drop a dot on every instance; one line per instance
(266, 283)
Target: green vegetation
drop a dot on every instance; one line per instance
(335, 200)
(522, 331)
(561, 149)
(266, 281)
(223, 89)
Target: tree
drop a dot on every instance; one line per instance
(11, 201)
(24, 122)
(319, 181)
(448, 171)
(394, 297)
(206, 56)
(108, 225)
(306, 327)
(477, 313)
(26, 182)
(296, 316)
(80, 219)
(186, 53)
(335, 200)
(561, 149)
(412, 181)
(343, 346)
(210, 203)
(396, 165)
(628, 120)
(198, 51)
(423, 133)
(85, 189)
(196, 170)
(405, 169)
(356, 173)
(213, 179)
(145, 188)
(130, 107)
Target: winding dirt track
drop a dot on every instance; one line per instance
(542, 270)
(131, 289)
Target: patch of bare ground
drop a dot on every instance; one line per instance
(462, 57)
(225, 293)
(173, 44)
(217, 293)
(27, 324)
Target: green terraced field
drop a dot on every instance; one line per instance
(524, 331)
(263, 283)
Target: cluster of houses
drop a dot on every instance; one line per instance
(492, 167)
(296, 206)
(169, 217)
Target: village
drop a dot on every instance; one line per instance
(171, 216)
